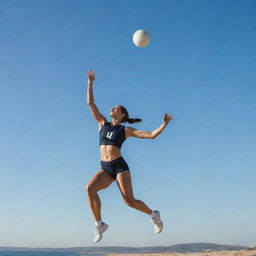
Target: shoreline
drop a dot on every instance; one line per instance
(245, 252)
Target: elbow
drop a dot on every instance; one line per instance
(152, 136)
(90, 103)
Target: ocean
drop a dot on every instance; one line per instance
(40, 253)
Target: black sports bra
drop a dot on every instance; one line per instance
(112, 135)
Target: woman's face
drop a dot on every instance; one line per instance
(116, 112)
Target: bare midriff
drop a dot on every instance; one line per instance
(109, 153)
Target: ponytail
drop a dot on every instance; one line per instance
(126, 118)
(133, 120)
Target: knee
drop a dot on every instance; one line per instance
(90, 189)
(130, 201)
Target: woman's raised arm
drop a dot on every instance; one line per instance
(90, 100)
(131, 132)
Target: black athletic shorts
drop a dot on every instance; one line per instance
(115, 166)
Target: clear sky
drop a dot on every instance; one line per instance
(200, 67)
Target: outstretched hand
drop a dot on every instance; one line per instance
(91, 75)
(167, 118)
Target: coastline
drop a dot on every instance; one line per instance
(246, 252)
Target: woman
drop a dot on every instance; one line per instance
(113, 166)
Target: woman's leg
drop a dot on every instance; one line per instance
(100, 181)
(124, 183)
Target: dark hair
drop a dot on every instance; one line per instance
(126, 118)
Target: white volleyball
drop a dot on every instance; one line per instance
(141, 38)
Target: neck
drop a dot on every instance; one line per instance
(115, 122)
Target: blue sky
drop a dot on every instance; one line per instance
(200, 67)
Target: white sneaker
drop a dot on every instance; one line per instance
(99, 230)
(157, 223)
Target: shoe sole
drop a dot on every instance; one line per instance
(160, 229)
(161, 223)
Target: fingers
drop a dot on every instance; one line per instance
(91, 74)
(167, 116)
(170, 116)
(90, 71)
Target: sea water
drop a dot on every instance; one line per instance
(38, 253)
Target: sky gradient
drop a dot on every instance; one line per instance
(199, 66)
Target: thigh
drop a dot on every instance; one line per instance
(124, 182)
(100, 180)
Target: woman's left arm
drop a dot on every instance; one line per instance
(131, 132)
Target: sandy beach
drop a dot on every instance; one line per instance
(247, 252)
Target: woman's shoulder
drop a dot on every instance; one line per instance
(128, 130)
(103, 123)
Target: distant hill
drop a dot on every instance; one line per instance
(193, 247)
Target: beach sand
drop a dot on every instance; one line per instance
(248, 252)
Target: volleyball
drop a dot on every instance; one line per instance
(141, 38)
